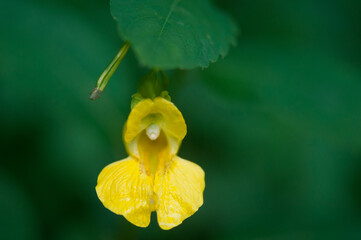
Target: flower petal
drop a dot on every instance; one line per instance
(179, 188)
(160, 112)
(173, 122)
(135, 124)
(125, 189)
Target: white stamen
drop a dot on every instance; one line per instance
(153, 131)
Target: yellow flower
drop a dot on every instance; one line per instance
(153, 177)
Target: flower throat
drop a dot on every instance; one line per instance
(153, 153)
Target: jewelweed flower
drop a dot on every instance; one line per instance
(153, 177)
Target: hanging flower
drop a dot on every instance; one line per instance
(153, 177)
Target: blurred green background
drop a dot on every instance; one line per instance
(276, 125)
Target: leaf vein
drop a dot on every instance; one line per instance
(172, 7)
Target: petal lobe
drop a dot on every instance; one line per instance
(180, 192)
(126, 190)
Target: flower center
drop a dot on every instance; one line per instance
(153, 153)
(153, 131)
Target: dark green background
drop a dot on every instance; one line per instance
(276, 125)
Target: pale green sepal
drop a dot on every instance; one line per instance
(136, 98)
(165, 95)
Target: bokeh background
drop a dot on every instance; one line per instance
(276, 125)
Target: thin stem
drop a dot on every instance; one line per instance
(108, 72)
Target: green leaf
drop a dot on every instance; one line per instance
(174, 33)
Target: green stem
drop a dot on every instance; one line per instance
(108, 72)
